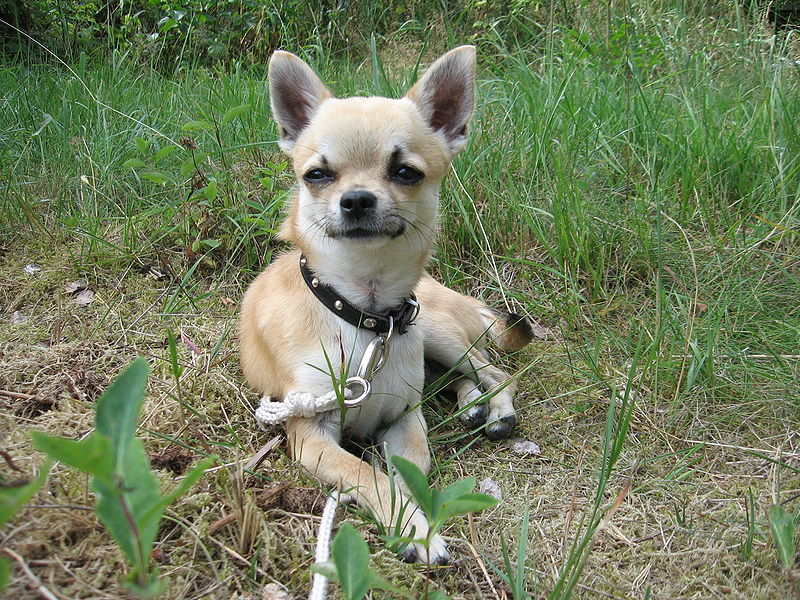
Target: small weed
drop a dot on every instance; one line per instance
(439, 505)
(514, 575)
(782, 525)
(349, 566)
(750, 525)
(129, 502)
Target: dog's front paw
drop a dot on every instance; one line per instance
(435, 554)
(501, 428)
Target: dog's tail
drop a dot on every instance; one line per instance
(508, 331)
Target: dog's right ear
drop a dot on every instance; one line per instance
(295, 95)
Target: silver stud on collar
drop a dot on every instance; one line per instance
(315, 282)
(370, 323)
(303, 261)
(338, 304)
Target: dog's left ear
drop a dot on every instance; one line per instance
(446, 96)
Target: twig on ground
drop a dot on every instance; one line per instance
(483, 568)
(255, 462)
(17, 395)
(9, 461)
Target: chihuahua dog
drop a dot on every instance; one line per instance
(363, 222)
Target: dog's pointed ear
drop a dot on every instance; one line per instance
(295, 93)
(445, 95)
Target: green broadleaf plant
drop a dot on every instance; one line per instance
(441, 505)
(129, 500)
(781, 523)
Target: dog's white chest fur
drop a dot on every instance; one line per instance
(395, 388)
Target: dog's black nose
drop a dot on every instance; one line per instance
(357, 203)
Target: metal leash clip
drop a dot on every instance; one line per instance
(360, 385)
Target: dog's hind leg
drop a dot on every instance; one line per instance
(500, 388)
(479, 377)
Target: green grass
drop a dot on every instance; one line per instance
(632, 182)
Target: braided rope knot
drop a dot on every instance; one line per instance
(296, 404)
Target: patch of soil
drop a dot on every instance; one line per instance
(293, 499)
(174, 459)
(303, 500)
(36, 378)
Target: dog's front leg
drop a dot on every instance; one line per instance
(318, 450)
(408, 437)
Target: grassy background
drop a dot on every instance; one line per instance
(631, 183)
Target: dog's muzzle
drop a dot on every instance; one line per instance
(361, 218)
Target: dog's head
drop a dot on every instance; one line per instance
(369, 169)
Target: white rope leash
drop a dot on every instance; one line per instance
(304, 404)
(296, 404)
(319, 584)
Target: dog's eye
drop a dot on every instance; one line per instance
(406, 175)
(318, 176)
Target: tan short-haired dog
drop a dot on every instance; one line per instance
(363, 221)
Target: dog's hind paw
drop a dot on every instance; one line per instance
(501, 428)
(475, 415)
(435, 554)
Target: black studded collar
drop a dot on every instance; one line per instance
(397, 320)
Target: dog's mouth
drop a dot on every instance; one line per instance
(366, 231)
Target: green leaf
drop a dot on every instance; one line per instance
(781, 523)
(132, 506)
(417, 484)
(196, 126)
(5, 573)
(142, 145)
(118, 409)
(452, 492)
(351, 556)
(234, 112)
(126, 505)
(14, 497)
(467, 503)
(92, 455)
(134, 163)
(210, 190)
(156, 177)
(177, 369)
(326, 569)
(210, 243)
(165, 151)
